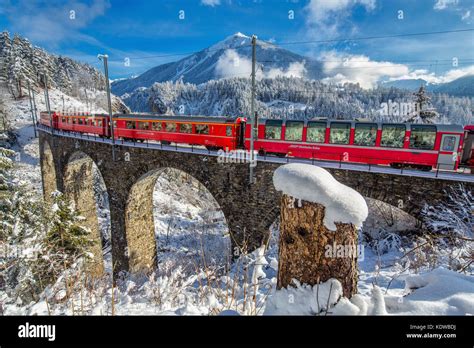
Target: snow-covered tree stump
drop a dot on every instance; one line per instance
(318, 227)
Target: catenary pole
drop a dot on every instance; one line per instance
(253, 116)
(46, 99)
(104, 58)
(31, 108)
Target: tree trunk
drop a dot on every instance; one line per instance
(310, 253)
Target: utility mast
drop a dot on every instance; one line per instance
(46, 99)
(104, 57)
(32, 109)
(253, 114)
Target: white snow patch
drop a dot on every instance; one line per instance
(439, 292)
(304, 299)
(317, 185)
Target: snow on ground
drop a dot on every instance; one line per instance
(384, 288)
(190, 228)
(19, 114)
(317, 185)
(187, 223)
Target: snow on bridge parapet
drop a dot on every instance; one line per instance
(314, 184)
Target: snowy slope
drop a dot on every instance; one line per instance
(201, 66)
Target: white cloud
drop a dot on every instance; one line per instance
(430, 77)
(231, 64)
(443, 4)
(322, 9)
(50, 23)
(358, 69)
(295, 69)
(325, 18)
(457, 73)
(466, 15)
(211, 3)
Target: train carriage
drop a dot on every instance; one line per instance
(421, 146)
(212, 132)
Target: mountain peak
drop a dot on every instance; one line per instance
(233, 41)
(239, 34)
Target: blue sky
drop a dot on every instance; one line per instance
(143, 29)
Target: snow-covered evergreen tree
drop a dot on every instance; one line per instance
(65, 242)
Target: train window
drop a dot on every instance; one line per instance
(186, 128)
(115, 124)
(74, 120)
(63, 119)
(422, 137)
(273, 129)
(340, 133)
(202, 129)
(171, 127)
(130, 124)
(449, 142)
(228, 131)
(81, 121)
(365, 134)
(99, 123)
(316, 132)
(156, 126)
(143, 125)
(294, 130)
(393, 135)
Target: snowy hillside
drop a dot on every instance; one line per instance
(21, 62)
(287, 97)
(228, 58)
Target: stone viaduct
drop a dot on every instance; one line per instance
(67, 165)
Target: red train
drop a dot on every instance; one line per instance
(420, 146)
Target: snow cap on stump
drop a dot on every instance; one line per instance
(314, 184)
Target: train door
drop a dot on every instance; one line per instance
(240, 134)
(448, 154)
(468, 148)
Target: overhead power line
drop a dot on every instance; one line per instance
(347, 39)
(375, 37)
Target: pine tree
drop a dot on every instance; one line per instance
(6, 192)
(65, 244)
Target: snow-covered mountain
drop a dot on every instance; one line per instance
(461, 87)
(410, 84)
(227, 58)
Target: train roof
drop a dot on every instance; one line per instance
(205, 119)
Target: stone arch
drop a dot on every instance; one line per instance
(48, 171)
(140, 219)
(80, 180)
